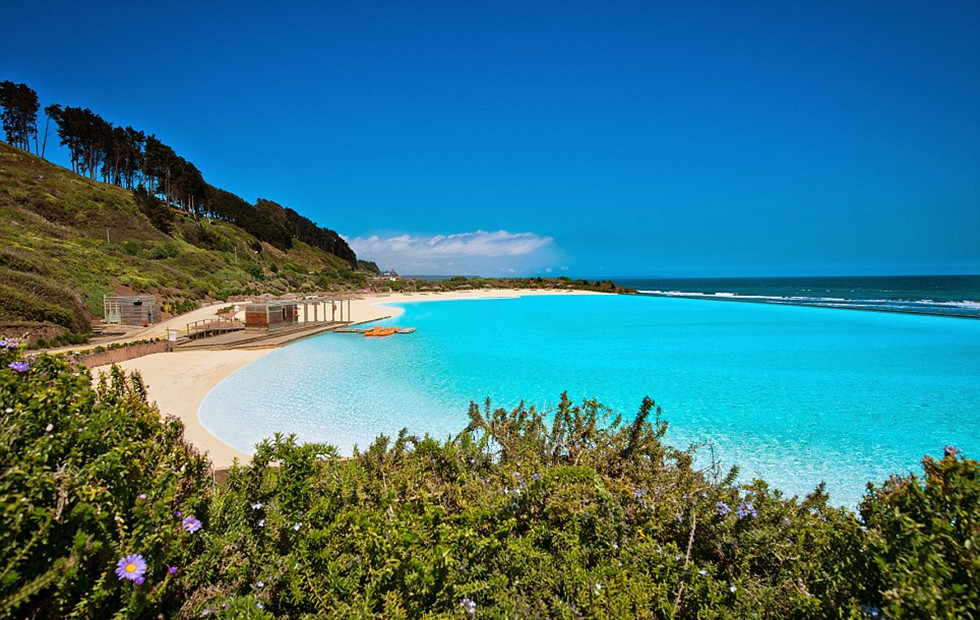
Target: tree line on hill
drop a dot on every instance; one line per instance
(134, 160)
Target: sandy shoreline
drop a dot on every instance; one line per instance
(178, 382)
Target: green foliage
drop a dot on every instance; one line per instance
(180, 306)
(18, 113)
(160, 215)
(575, 513)
(60, 340)
(368, 266)
(92, 474)
(162, 251)
(577, 516)
(923, 535)
(32, 297)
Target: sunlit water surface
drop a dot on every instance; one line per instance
(794, 395)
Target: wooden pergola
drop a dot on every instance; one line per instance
(335, 306)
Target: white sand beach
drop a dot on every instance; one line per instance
(179, 381)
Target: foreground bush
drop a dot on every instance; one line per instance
(573, 514)
(583, 517)
(91, 475)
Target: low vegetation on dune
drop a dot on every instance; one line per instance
(65, 241)
(576, 513)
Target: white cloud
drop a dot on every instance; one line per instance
(470, 253)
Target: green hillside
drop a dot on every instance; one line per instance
(65, 241)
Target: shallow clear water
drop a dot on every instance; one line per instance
(794, 395)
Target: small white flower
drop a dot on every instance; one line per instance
(261, 522)
(296, 526)
(733, 588)
(47, 429)
(256, 505)
(259, 584)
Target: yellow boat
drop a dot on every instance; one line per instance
(380, 332)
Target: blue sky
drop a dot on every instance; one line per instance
(580, 138)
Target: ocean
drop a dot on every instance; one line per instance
(943, 295)
(793, 394)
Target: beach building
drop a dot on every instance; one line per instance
(287, 313)
(272, 314)
(137, 310)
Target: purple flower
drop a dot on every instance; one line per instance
(19, 366)
(131, 567)
(468, 606)
(746, 509)
(950, 451)
(190, 524)
(141, 496)
(723, 509)
(139, 581)
(172, 570)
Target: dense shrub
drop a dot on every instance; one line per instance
(31, 297)
(585, 518)
(91, 475)
(577, 513)
(160, 214)
(923, 536)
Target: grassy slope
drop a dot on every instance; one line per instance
(55, 264)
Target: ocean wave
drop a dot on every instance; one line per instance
(909, 305)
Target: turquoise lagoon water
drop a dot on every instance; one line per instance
(794, 395)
